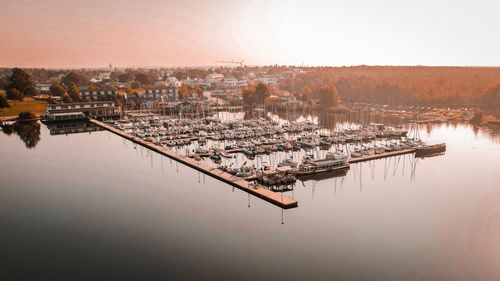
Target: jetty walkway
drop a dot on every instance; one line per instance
(263, 193)
(381, 155)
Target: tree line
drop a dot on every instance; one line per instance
(401, 85)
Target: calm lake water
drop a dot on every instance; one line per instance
(93, 206)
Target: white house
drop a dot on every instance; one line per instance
(267, 79)
(173, 82)
(214, 78)
(42, 87)
(104, 75)
(230, 82)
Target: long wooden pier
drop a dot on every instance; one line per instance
(263, 193)
(381, 155)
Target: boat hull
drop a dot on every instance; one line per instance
(430, 150)
(320, 173)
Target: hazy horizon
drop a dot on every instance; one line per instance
(91, 34)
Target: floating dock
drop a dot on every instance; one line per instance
(381, 155)
(263, 193)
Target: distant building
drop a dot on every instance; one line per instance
(135, 96)
(267, 79)
(230, 82)
(194, 81)
(242, 83)
(97, 94)
(173, 82)
(42, 87)
(161, 94)
(214, 78)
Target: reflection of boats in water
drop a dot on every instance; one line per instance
(430, 155)
(332, 163)
(425, 150)
(324, 176)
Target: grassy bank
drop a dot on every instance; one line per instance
(28, 104)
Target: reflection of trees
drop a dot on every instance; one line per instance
(429, 128)
(491, 130)
(8, 129)
(327, 120)
(29, 132)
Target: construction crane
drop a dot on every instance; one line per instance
(233, 62)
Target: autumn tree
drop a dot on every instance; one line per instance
(26, 115)
(14, 94)
(32, 91)
(119, 99)
(118, 102)
(132, 103)
(478, 117)
(125, 77)
(21, 81)
(328, 96)
(74, 77)
(73, 92)
(3, 102)
(199, 91)
(115, 75)
(180, 75)
(4, 81)
(92, 87)
(306, 94)
(66, 98)
(136, 85)
(143, 78)
(248, 96)
(57, 90)
(184, 91)
(261, 93)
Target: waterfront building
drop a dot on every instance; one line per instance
(162, 94)
(97, 94)
(96, 109)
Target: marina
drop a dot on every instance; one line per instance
(233, 151)
(250, 140)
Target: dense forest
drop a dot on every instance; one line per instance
(404, 85)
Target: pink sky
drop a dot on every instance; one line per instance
(93, 33)
(53, 33)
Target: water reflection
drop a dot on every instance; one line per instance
(324, 176)
(64, 128)
(434, 226)
(28, 131)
